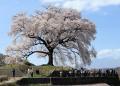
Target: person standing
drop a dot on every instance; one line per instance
(13, 72)
(28, 72)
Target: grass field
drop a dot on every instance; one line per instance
(44, 70)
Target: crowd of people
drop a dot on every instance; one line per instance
(76, 73)
(84, 73)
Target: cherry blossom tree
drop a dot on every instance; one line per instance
(57, 33)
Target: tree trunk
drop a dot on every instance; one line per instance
(50, 60)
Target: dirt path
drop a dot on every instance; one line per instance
(11, 80)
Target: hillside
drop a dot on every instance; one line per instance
(43, 71)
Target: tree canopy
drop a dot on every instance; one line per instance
(57, 33)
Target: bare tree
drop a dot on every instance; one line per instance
(54, 32)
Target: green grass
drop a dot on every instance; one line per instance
(46, 70)
(8, 66)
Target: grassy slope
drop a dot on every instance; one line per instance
(44, 70)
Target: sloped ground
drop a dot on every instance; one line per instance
(45, 71)
(11, 80)
(20, 70)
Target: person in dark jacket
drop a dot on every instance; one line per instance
(13, 72)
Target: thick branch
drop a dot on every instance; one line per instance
(38, 38)
(32, 52)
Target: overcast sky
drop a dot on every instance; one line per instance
(104, 13)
